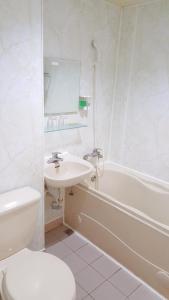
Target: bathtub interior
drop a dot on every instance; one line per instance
(137, 192)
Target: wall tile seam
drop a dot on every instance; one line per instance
(43, 123)
(125, 3)
(137, 3)
(116, 72)
(131, 67)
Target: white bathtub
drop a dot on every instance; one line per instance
(141, 196)
(128, 217)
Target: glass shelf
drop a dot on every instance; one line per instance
(66, 127)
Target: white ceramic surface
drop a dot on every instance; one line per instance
(41, 276)
(136, 193)
(27, 274)
(18, 217)
(72, 171)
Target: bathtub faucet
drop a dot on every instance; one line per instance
(55, 159)
(97, 152)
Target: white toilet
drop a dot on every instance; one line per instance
(26, 274)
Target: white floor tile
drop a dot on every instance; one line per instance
(107, 292)
(89, 279)
(143, 293)
(74, 242)
(89, 253)
(80, 293)
(75, 263)
(124, 282)
(77, 253)
(105, 266)
(59, 249)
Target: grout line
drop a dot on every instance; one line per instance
(81, 288)
(147, 286)
(76, 249)
(76, 252)
(87, 296)
(88, 264)
(102, 253)
(117, 271)
(122, 291)
(135, 290)
(89, 293)
(107, 279)
(98, 286)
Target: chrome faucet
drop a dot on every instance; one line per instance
(55, 159)
(97, 152)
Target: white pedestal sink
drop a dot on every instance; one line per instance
(72, 171)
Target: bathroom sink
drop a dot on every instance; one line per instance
(72, 171)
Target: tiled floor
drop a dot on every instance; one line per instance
(97, 276)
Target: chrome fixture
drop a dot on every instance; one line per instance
(55, 159)
(57, 197)
(93, 178)
(97, 152)
(57, 202)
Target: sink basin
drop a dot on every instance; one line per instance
(70, 173)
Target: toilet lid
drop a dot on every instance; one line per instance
(39, 276)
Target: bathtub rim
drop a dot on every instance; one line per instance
(143, 177)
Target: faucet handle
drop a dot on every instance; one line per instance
(86, 157)
(98, 152)
(55, 154)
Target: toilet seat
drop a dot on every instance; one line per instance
(38, 276)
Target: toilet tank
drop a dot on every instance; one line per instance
(18, 216)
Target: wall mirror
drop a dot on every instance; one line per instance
(62, 86)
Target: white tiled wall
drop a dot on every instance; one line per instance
(140, 121)
(21, 109)
(69, 28)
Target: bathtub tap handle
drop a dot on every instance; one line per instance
(95, 153)
(86, 156)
